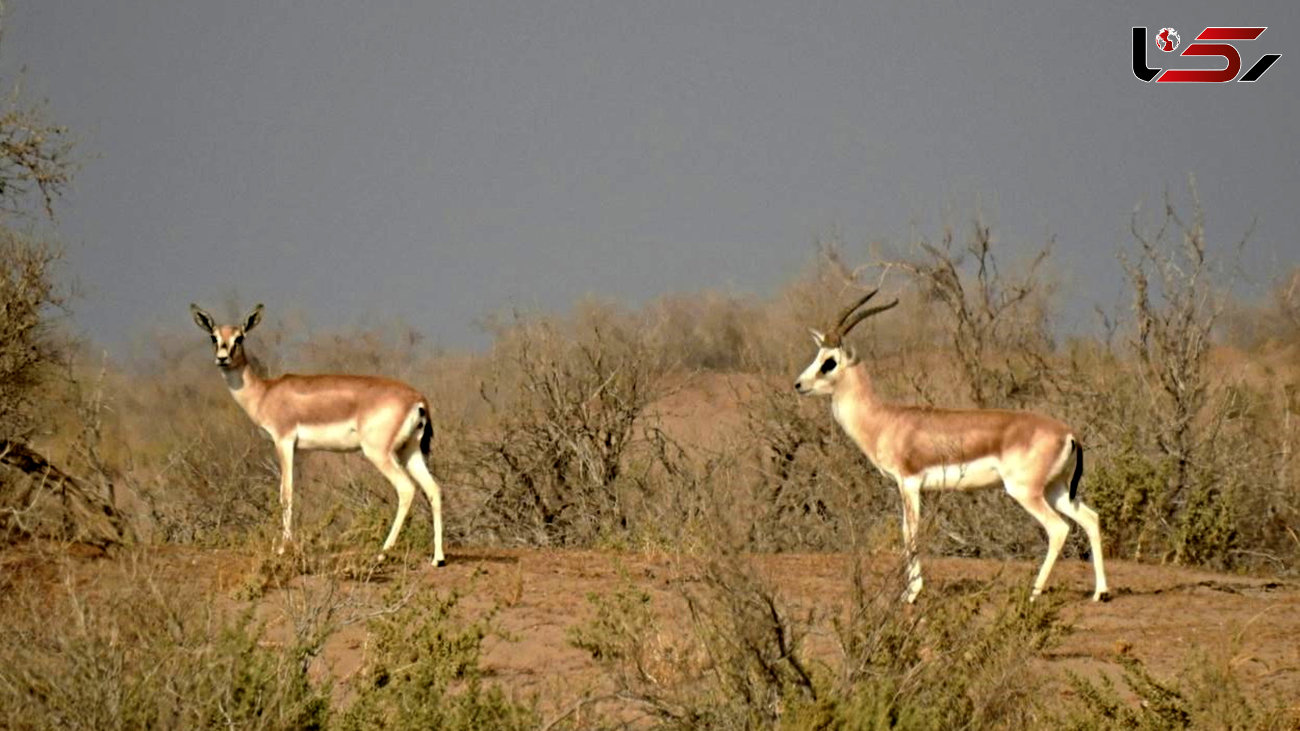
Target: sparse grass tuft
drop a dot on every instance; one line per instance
(1209, 695)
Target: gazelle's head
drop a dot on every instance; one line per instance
(227, 340)
(833, 357)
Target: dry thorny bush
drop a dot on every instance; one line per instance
(570, 452)
(36, 157)
(745, 659)
(30, 353)
(40, 497)
(1177, 305)
(35, 168)
(994, 321)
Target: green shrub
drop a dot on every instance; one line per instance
(422, 671)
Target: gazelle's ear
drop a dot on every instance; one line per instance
(253, 318)
(203, 319)
(850, 355)
(818, 337)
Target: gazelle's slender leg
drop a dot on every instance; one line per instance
(1058, 495)
(910, 489)
(413, 460)
(1055, 526)
(387, 464)
(284, 448)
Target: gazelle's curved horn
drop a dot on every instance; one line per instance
(843, 324)
(844, 313)
(844, 330)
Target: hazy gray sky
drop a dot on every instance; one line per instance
(437, 161)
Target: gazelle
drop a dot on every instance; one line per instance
(949, 449)
(388, 421)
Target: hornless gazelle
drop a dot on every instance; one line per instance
(949, 449)
(387, 420)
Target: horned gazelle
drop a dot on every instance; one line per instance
(388, 421)
(926, 448)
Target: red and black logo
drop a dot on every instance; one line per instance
(1167, 40)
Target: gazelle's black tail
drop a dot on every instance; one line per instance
(426, 434)
(1078, 469)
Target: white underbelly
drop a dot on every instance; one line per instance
(342, 437)
(967, 475)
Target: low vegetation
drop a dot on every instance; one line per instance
(136, 649)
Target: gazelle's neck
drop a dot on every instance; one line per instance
(855, 407)
(246, 386)
(855, 385)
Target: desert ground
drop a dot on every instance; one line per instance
(1164, 616)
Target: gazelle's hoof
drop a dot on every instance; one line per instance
(380, 558)
(439, 562)
(1101, 596)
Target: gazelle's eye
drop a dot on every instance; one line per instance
(828, 365)
(214, 339)
(239, 338)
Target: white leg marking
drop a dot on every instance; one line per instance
(284, 449)
(1086, 517)
(387, 464)
(1055, 526)
(415, 465)
(910, 489)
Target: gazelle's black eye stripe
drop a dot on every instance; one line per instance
(828, 365)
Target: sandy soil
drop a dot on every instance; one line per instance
(1160, 614)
